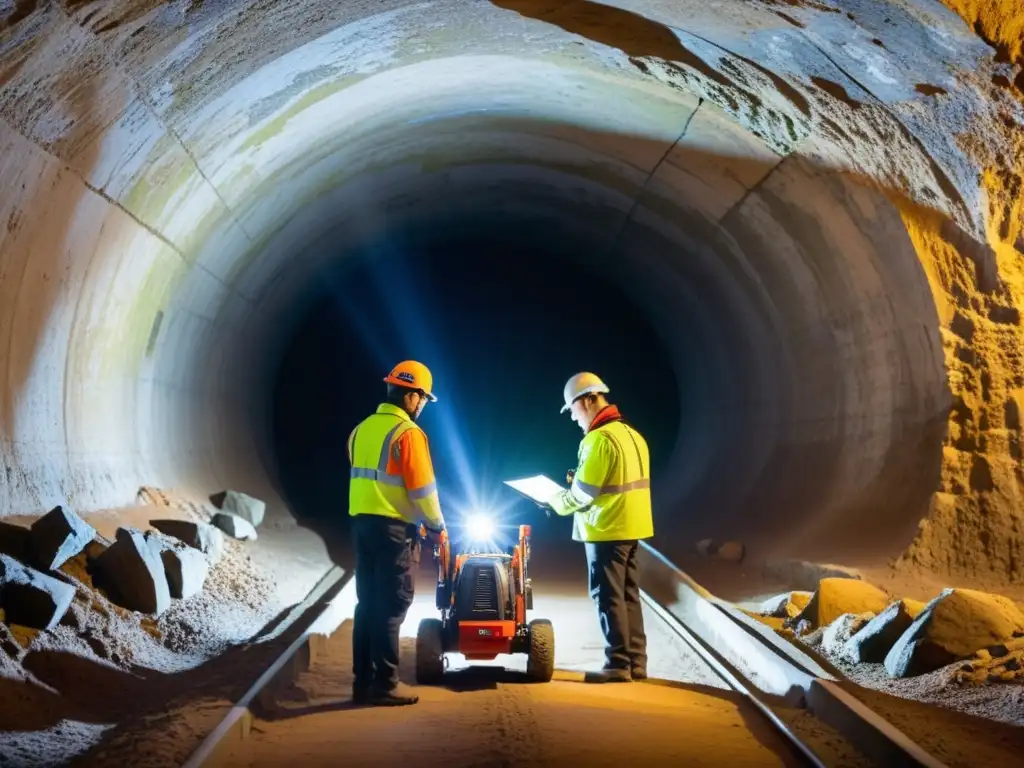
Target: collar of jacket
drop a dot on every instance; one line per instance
(607, 414)
(394, 410)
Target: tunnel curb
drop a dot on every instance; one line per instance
(773, 666)
(327, 604)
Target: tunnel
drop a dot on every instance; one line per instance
(788, 234)
(823, 271)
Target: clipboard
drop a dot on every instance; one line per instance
(537, 488)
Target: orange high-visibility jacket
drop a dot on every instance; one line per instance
(392, 474)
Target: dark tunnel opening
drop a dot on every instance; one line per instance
(503, 317)
(721, 297)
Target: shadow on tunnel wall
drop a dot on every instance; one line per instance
(771, 445)
(640, 38)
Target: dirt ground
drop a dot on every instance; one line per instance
(487, 714)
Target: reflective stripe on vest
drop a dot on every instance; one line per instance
(599, 490)
(636, 485)
(380, 474)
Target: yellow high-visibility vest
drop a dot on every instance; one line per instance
(377, 485)
(610, 496)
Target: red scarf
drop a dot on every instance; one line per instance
(608, 413)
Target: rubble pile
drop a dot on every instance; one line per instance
(59, 574)
(975, 637)
(998, 663)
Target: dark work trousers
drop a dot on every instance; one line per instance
(615, 588)
(386, 550)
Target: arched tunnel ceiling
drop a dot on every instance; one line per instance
(842, 172)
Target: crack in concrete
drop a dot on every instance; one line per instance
(751, 190)
(66, 168)
(643, 188)
(942, 176)
(117, 67)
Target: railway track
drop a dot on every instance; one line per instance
(750, 659)
(759, 664)
(734, 681)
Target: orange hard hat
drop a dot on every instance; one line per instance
(412, 375)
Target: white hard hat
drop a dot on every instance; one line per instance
(579, 385)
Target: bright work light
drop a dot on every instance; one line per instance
(480, 527)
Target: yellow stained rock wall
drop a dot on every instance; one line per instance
(979, 291)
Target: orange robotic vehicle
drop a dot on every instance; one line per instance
(483, 598)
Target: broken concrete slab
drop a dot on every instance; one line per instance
(244, 506)
(837, 634)
(186, 570)
(235, 526)
(954, 626)
(58, 536)
(133, 572)
(797, 602)
(31, 598)
(874, 641)
(201, 536)
(836, 596)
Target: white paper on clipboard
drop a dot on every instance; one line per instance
(538, 488)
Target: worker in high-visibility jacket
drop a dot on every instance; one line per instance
(610, 501)
(391, 490)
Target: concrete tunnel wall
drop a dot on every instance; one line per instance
(778, 190)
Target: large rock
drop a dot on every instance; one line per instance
(58, 536)
(732, 551)
(186, 570)
(874, 641)
(839, 632)
(234, 526)
(133, 572)
(953, 626)
(201, 536)
(31, 598)
(804, 575)
(785, 606)
(834, 597)
(246, 507)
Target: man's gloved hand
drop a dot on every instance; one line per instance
(570, 476)
(435, 535)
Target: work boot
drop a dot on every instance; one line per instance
(399, 696)
(638, 673)
(609, 675)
